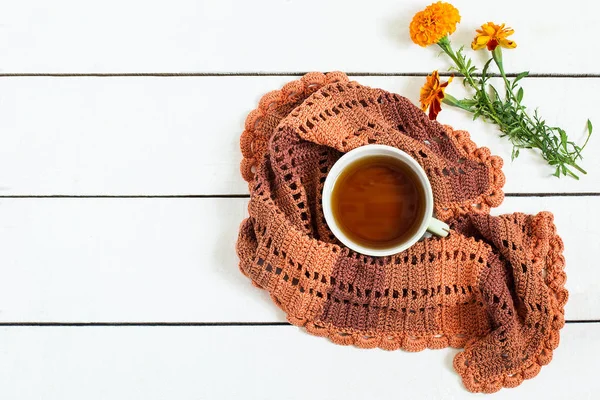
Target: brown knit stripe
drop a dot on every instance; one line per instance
(461, 176)
(409, 292)
(495, 285)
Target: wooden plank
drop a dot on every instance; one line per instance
(270, 35)
(256, 363)
(140, 136)
(173, 260)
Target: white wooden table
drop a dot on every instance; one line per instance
(120, 196)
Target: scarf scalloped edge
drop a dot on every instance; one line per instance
(547, 249)
(254, 147)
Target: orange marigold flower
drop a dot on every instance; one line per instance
(492, 35)
(432, 94)
(433, 23)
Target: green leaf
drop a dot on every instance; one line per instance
(494, 91)
(557, 172)
(563, 138)
(486, 67)
(520, 95)
(468, 102)
(521, 76)
(523, 127)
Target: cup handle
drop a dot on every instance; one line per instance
(438, 227)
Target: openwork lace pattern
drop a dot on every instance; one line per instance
(494, 286)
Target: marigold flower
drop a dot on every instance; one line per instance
(492, 35)
(433, 23)
(432, 94)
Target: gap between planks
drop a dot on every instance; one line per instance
(252, 74)
(235, 196)
(181, 324)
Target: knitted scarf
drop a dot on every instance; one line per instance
(494, 286)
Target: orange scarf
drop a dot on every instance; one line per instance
(494, 286)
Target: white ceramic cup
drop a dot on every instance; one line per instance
(429, 223)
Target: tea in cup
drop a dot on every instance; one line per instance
(378, 201)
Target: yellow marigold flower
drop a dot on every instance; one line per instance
(492, 35)
(432, 94)
(433, 23)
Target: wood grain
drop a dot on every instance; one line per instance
(173, 260)
(93, 262)
(275, 36)
(170, 136)
(155, 363)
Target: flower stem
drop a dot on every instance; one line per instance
(529, 123)
(462, 67)
(445, 45)
(523, 130)
(497, 56)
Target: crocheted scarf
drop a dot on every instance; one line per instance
(494, 286)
